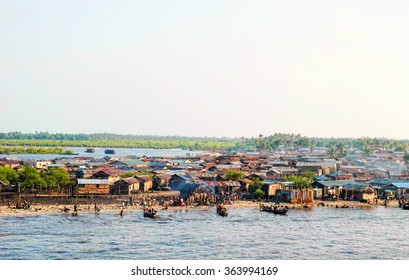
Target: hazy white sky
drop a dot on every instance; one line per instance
(205, 68)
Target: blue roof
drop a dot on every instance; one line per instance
(336, 183)
(384, 181)
(157, 163)
(270, 181)
(185, 177)
(401, 185)
(336, 173)
(323, 178)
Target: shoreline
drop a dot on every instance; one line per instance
(56, 208)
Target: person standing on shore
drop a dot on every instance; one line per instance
(96, 208)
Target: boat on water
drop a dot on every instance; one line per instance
(75, 213)
(150, 213)
(343, 206)
(405, 206)
(109, 151)
(222, 211)
(274, 209)
(90, 150)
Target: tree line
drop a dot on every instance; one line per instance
(105, 136)
(29, 178)
(141, 144)
(34, 150)
(336, 146)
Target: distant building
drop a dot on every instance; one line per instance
(93, 187)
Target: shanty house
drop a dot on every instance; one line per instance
(401, 190)
(180, 179)
(161, 181)
(294, 195)
(125, 186)
(145, 182)
(270, 188)
(223, 187)
(364, 193)
(112, 175)
(329, 189)
(93, 186)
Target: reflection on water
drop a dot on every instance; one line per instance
(322, 233)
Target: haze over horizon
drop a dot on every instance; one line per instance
(205, 68)
(204, 136)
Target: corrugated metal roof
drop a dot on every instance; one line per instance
(228, 166)
(92, 181)
(223, 184)
(55, 165)
(383, 181)
(271, 181)
(336, 183)
(401, 185)
(131, 180)
(144, 177)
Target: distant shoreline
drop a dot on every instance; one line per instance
(35, 151)
(114, 207)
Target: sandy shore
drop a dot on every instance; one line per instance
(37, 208)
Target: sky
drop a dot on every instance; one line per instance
(205, 68)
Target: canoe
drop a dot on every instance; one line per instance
(222, 211)
(149, 215)
(275, 210)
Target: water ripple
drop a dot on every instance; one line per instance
(323, 233)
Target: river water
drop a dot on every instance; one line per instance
(100, 153)
(322, 233)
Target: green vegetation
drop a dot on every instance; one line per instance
(338, 147)
(256, 188)
(30, 178)
(8, 175)
(136, 173)
(300, 182)
(56, 177)
(34, 150)
(234, 175)
(310, 175)
(338, 144)
(104, 136)
(141, 144)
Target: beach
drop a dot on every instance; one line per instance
(115, 206)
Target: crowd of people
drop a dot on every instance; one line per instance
(195, 199)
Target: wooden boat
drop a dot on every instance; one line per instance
(405, 206)
(150, 214)
(74, 213)
(275, 210)
(222, 211)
